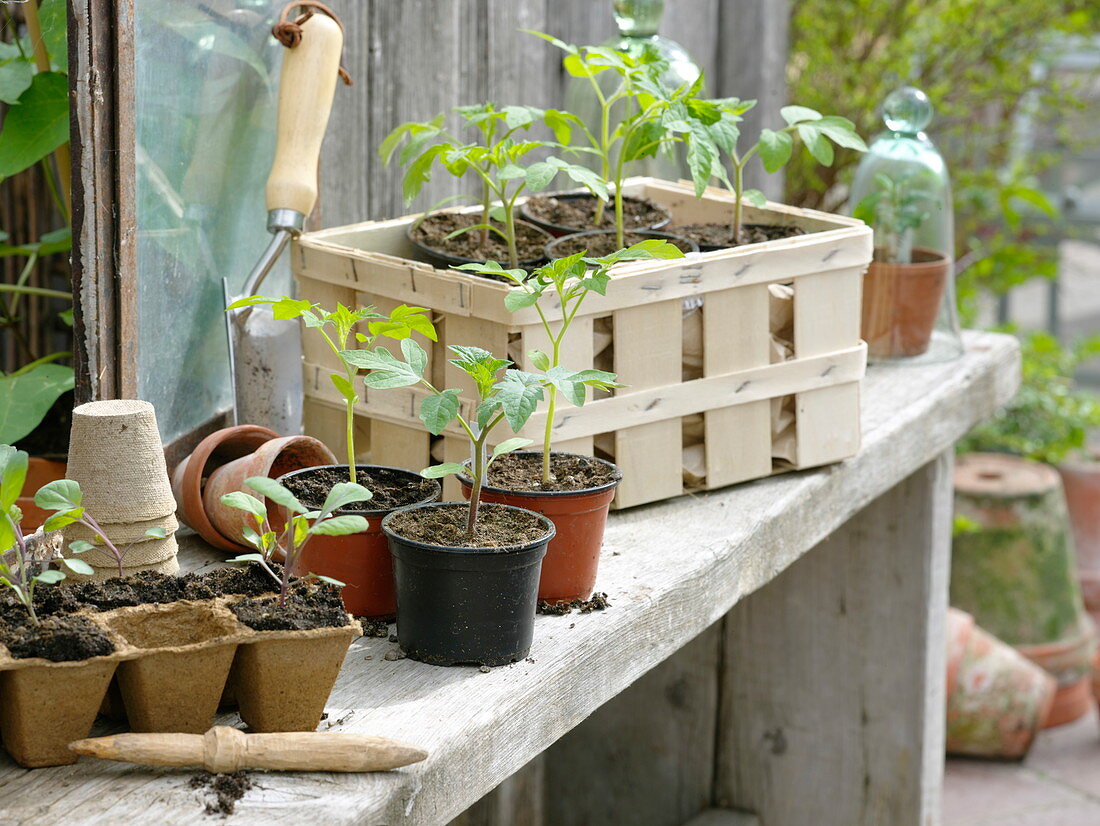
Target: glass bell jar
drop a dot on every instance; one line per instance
(902, 190)
(638, 22)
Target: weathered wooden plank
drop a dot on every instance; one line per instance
(671, 570)
(647, 757)
(832, 702)
(723, 817)
(518, 801)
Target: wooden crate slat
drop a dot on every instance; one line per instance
(325, 420)
(455, 449)
(314, 348)
(398, 446)
(737, 439)
(827, 424)
(649, 353)
(827, 311)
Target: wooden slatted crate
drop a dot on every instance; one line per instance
(642, 425)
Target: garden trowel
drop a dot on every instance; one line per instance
(265, 354)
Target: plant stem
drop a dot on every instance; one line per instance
(15, 288)
(738, 188)
(24, 580)
(91, 524)
(349, 432)
(480, 471)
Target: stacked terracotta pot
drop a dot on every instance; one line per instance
(115, 455)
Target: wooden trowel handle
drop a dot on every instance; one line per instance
(306, 87)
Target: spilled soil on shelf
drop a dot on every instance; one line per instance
(580, 213)
(522, 472)
(497, 527)
(391, 488)
(223, 790)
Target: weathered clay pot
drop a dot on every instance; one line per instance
(901, 302)
(573, 555)
(1081, 481)
(190, 475)
(39, 472)
(997, 700)
(282, 680)
(1014, 570)
(273, 458)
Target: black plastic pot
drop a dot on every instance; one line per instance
(554, 247)
(560, 229)
(465, 605)
(443, 260)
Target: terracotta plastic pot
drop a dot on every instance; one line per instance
(39, 472)
(273, 458)
(465, 605)
(190, 475)
(361, 561)
(573, 555)
(1081, 481)
(283, 679)
(560, 229)
(997, 700)
(901, 302)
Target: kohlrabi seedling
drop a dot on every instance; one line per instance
(298, 529)
(23, 573)
(64, 497)
(895, 210)
(715, 134)
(497, 160)
(399, 325)
(568, 281)
(503, 395)
(638, 117)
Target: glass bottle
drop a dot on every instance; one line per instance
(902, 189)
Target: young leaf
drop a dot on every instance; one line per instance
(340, 526)
(329, 580)
(386, 370)
(343, 494)
(78, 566)
(156, 533)
(79, 546)
(445, 469)
(519, 298)
(52, 577)
(275, 492)
(247, 558)
(799, 114)
(439, 411)
(13, 472)
(755, 197)
(539, 359)
(62, 518)
(58, 495)
(37, 125)
(519, 394)
(817, 144)
(244, 502)
(508, 445)
(343, 386)
(775, 149)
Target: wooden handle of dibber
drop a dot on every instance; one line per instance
(306, 87)
(223, 749)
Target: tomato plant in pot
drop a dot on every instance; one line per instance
(573, 491)
(361, 561)
(501, 164)
(282, 680)
(715, 136)
(466, 574)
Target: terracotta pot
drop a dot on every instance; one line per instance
(39, 472)
(1015, 570)
(997, 700)
(901, 302)
(1081, 481)
(190, 475)
(273, 458)
(361, 561)
(187, 651)
(573, 555)
(47, 705)
(283, 679)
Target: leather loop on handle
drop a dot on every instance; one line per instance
(306, 88)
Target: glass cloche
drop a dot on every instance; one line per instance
(902, 190)
(638, 22)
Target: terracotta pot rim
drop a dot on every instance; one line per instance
(1079, 643)
(465, 551)
(192, 481)
(649, 233)
(935, 260)
(453, 259)
(550, 494)
(375, 512)
(574, 195)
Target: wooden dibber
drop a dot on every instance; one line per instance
(223, 749)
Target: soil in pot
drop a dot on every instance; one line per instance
(600, 243)
(236, 580)
(48, 600)
(188, 649)
(48, 704)
(576, 500)
(136, 589)
(361, 561)
(466, 600)
(720, 236)
(576, 212)
(430, 237)
(283, 679)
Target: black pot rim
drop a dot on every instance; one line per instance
(468, 480)
(649, 233)
(457, 260)
(574, 195)
(458, 549)
(375, 512)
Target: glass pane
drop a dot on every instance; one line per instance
(205, 101)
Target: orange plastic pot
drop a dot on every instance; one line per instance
(39, 472)
(361, 561)
(573, 556)
(1081, 482)
(901, 302)
(274, 459)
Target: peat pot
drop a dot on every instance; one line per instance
(459, 605)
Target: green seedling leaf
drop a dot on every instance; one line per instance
(439, 411)
(79, 566)
(59, 495)
(156, 533)
(775, 149)
(799, 114)
(841, 131)
(13, 473)
(520, 298)
(756, 198)
(445, 469)
(343, 494)
(244, 502)
(329, 580)
(16, 74)
(816, 143)
(539, 359)
(386, 370)
(53, 577)
(508, 445)
(36, 125)
(519, 394)
(276, 493)
(247, 558)
(344, 388)
(340, 526)
(79, 546)
(26, 397)
(62, 519)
